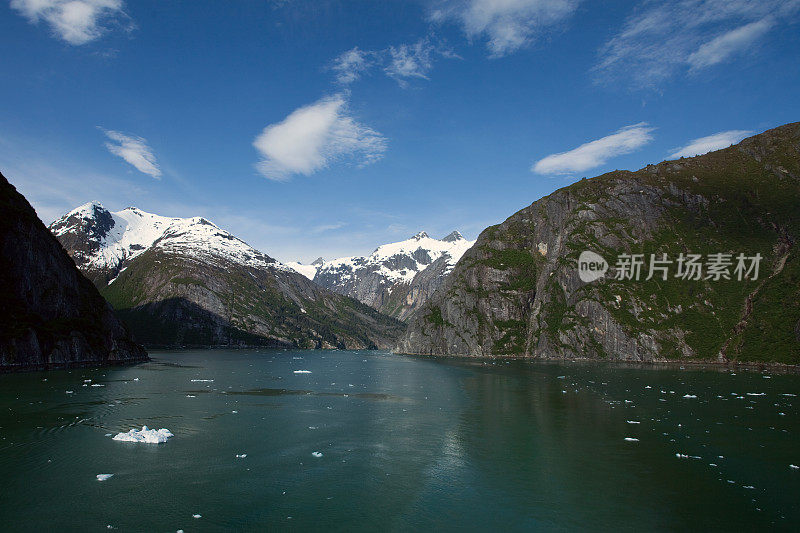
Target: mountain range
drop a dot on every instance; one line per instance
(396, 278)
(185, 281)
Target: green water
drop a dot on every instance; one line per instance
(406, 443)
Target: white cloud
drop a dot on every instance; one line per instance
(313, 137)
(662, 39)
(75, 21)
(508, 25)
(133, 150)
(595, 153)
(350, 65)
(402, 62)
(721, 48)
(717, 141)
(410, 61)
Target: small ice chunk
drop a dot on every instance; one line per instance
(681, 456)
(201, 380)
(756, 393)
(794, 467)
(633, 422)
(103, 477)
(316, 454)
(302, 371)
(135, 379)
(70, 392)
(145, 435)
(692, 396)
(631, 439)
(197, 516)
(97, 385)
(87, 380)
(241, 455)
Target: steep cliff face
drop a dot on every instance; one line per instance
(184, 281)
(396, 278)
(50, 314)
(518, 290)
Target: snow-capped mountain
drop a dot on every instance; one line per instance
(396, 278)
(104, 242)
(186, 281)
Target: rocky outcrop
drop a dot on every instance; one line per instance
(50, 315)
(186, 282)
(518, 292)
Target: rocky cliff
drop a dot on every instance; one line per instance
(50, 314)
(518, 290)
(186, 282)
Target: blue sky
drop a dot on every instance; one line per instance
(329, 127)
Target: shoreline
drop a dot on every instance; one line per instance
(668, 363)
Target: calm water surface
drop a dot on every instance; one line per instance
(406, 444)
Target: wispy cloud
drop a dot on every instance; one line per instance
(350, 65)
(134, 150)
(723, 47)
(663, 39)
(595, 153)
(322, 228)
(75, 21)
(410, 61)
(507, 25)
(313, 137)
(402, 62)
(717, 141)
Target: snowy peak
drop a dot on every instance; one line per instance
(453, 237)
(105, 241)
(421, 235)
(318, 261)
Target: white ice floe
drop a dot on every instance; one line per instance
(201, 380)
(302, 371)
(316, 454)
(631, 439)
(241, 455)
(794, 467)
(756, 393)
(691, 396)
(197, 516)
(633, 422)
(145, 435)
(97, 385)
(70, 392)
(103, 477)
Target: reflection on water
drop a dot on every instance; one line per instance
(373, 441)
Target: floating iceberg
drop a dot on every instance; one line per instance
(103, 477)
(241, 455)
(146, 435)
(201, 380)
(690, 396)
(631, 439)
(316, 454)
(302, 371)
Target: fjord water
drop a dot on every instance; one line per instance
(405, 443)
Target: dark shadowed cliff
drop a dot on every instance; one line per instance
(50, 314)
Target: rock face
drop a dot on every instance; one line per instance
(50, 314)
(518, 292)
(186, 282)
(396, 278)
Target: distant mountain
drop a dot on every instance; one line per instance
(519, 292)
(396, 278)
(50, 314)
(184, 281)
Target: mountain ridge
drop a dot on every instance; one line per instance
(185, 281)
